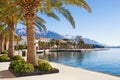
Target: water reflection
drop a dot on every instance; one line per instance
(104, 61)
(65, 57)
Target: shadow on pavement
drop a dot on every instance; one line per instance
(6, 74)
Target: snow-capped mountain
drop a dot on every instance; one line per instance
(86, 40)
(49, 34)
(90, 41)
(54, 35)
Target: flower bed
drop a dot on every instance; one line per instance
(21, 68)
(36, 72)
(4, 58)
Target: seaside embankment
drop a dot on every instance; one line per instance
(66, 73)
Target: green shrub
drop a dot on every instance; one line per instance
(44, 65)
(16, 62)
(4, 52)
(23, 68)
(4, 58)
(17, 57)
(22, 46)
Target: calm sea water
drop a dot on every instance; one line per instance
(107, 61)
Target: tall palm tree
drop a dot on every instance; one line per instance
(11, 15)
(17, 39)
(8, 15)
(6, 40)
(31, 7)
(2, 31)
(1, 42)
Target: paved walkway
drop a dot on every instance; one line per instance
(66, 73)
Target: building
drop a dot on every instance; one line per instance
(43, 39)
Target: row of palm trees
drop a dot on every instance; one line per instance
(67, 45)
(28, 12)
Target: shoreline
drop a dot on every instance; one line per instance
(80, 68)
(72, 50)
(88, 69)
(66, 73)
(62, 50)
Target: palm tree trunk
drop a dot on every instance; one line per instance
(7, 45)
(1, 42)
(17, 45)
(31, 46)
(11, 31)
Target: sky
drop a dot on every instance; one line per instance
(102, 25)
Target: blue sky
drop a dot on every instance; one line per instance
(102, 25)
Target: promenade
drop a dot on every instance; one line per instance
(66, 73)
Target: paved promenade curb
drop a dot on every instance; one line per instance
(66, 73)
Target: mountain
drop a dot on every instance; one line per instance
(54, 35)
(90, 41)
(49, 34)
(86, 40)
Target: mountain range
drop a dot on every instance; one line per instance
(55, 35)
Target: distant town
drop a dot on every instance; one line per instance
(48, 43)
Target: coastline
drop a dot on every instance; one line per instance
(72, 50)
(66, 73)
(63, 50)
(88, 69)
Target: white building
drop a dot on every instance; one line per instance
(43, 39)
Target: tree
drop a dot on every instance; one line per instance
(31, 7)
(2, 31)
(17, 39)
(11, 14)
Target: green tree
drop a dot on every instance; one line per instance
(17, 39)
(11, 14)
(30, 8)
(2, 36)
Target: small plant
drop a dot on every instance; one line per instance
(17, 57)
(4, 52)
(44, 65)
(21, 66)
(4, 58)
(21, 47)
(16, 62)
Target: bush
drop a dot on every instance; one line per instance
(22, 46)
(4, 52)
(16, 62)
(4, 58)
(44, 65)
(17, 57)
(21, 66)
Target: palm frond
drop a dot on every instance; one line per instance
(66, 13)
(81, 3)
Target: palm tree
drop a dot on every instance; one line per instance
(17, 39)
(11, 15)
(31, 7)
(2, 30)
(6, 40)
(1, 42)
